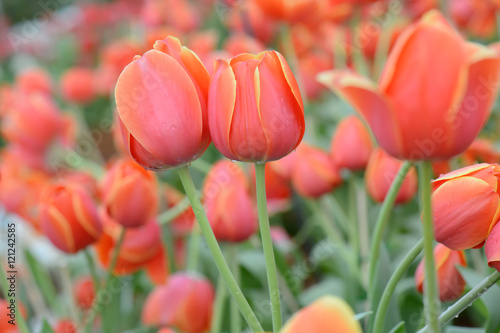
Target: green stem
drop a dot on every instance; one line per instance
(168, 245)
(21, 323)
(214, 248)
(193, 253)
(431, 301)
(382, 220)
(172, 213)
(466, 301)
(93, 272)
(267, 245)
(353, 223)
(97, 307)
(218, 314)
(234, 313)
(391, 286)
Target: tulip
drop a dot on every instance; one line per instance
(292, 11)
(69, 218)
(161, 99)
(156, 268)
(481, 150)
(380, 173)
(84, 292)
(78, 85)
(65, 326)
(351, 144)
(140, 245)
(5, 326)
(465, 205)
(129, 194)
(451, 282)
(475, 17)
(185, 302)
(35, 79)
(492, 248)
(255, 110)
(314, 173)
(434, 96)
(228, 202)
(327, 314)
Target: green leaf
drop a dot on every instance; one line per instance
(399, 328)
(46, 327)
(362, 315)
(43, 281)
(459, 329)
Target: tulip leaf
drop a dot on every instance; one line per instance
(459, 329)
(43, 281)
(362, 315)
(46, 327)
(399, 328)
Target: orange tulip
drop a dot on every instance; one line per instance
(325, 315)
(7, 312)
(161, 99)
(65, 326)
(451, 282)
(185, 302)
(35, 79)
(313, 172)
(228, 202)
(84, 292)
(69, 217)
(435, 93)
(78, 85)
(292, 11)
(380, 173)
(255, 110)
(129, 194)
(492, 248)
(140, 245)
(481, 150)
(476, 17)
(351, 144)
(466, 205)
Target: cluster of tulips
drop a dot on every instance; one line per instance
(302, 215)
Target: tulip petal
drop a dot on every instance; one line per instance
(492, 248)
(370, 103)
(327, 314)
(463, 218)
(158, 104)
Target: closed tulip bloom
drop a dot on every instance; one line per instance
(351, 144)
(255, 111)
(229, 203)
(451, 282)
(434, 95)
(129, 194)
(69, 218)
(325, 315)
(78, 85)
(466, 205)
(35, 79)
(161, 100)
(65, 326)
(84, 292)
(185, 303)
(492, 248)
(293, 11)
(313, 173)
(380, 173)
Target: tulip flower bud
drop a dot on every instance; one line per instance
(351, 145)
(84, 292)
(69, 218)
(185, 302)
(229, 203)
(380, 173)
(140, 245)
(313, 173)
(465, 205)
(65, 326)
(255, 111)
(129, 194)
(327, 314)
(492, 248)
(451, 282)
(432, 98)
(35, 79)
(161, 100)
(78, 85)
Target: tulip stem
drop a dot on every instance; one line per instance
(432, 304)
(194, 249)
(235, 267)
(381, 225)
(216, 252)
(220, 298)
(267, 245)
(466, 301)
(353, 222)
(172, 213)
(168, 247)
(96, 308)
(4, 285)
(93, 272)
(391, 286)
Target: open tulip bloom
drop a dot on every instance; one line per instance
(373, 207)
